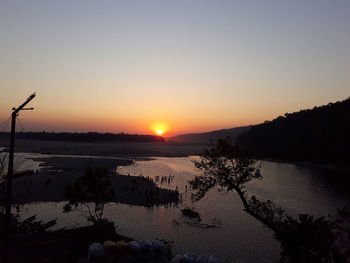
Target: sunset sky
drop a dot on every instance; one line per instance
(188, 66)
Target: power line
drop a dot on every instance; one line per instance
(5, 123)
(20, 124)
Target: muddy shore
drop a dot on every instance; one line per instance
(48, 184)
(115, 149)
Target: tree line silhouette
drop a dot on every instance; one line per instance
(319, 135)
(84, 137)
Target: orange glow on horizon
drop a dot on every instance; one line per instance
(76, 122)
(159, 128)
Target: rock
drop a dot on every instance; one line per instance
(202, 259)
(189, 257)
(96, 251)
(134, 247)
(214, 259)
(176, 259)
(122, 247)
(157, 244)
(146, 245)
(110, 247)
(127, 259)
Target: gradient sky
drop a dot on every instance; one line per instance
(192, 65)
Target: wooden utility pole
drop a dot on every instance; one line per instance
(9, 177)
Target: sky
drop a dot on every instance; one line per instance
(180, 66)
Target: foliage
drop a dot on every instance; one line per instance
(94, 188)
(224, 165)
(271, 213)
(320, 134)
(341, 231)
(304, 239)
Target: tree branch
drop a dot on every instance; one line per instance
(252, 213)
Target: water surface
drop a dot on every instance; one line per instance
(298, 189)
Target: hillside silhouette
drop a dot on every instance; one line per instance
(320, 135)
(210, 136)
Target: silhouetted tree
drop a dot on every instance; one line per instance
(306, 239)
(227, 166)
(302, 240)
(94, 188)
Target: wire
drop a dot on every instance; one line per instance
(5, 123)
(20, 124)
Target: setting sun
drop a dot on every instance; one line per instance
(159, 128)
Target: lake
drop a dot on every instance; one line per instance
(239, 237)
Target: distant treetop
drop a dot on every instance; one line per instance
(320, 135)
(84, 137)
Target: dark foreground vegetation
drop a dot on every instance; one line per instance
(304, 239)
(319, 135)
(58, 246)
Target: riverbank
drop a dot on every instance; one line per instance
(137, 150)
(48, 183)
(342, 168)
(110, 149)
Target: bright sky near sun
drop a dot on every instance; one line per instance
(170, 67)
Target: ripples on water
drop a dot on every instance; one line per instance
(298, 189)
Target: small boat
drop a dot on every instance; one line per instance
(191, 213)
(61, 229)
(29, 219)
(48, 224)
(202, 225)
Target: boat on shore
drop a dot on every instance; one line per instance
(202, 225)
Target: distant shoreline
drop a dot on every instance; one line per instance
(328, 166)
(135, 150)
(84, 136)
(48, 183)
(107, 148)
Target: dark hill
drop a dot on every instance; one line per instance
(210, 136)
(321, 134)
